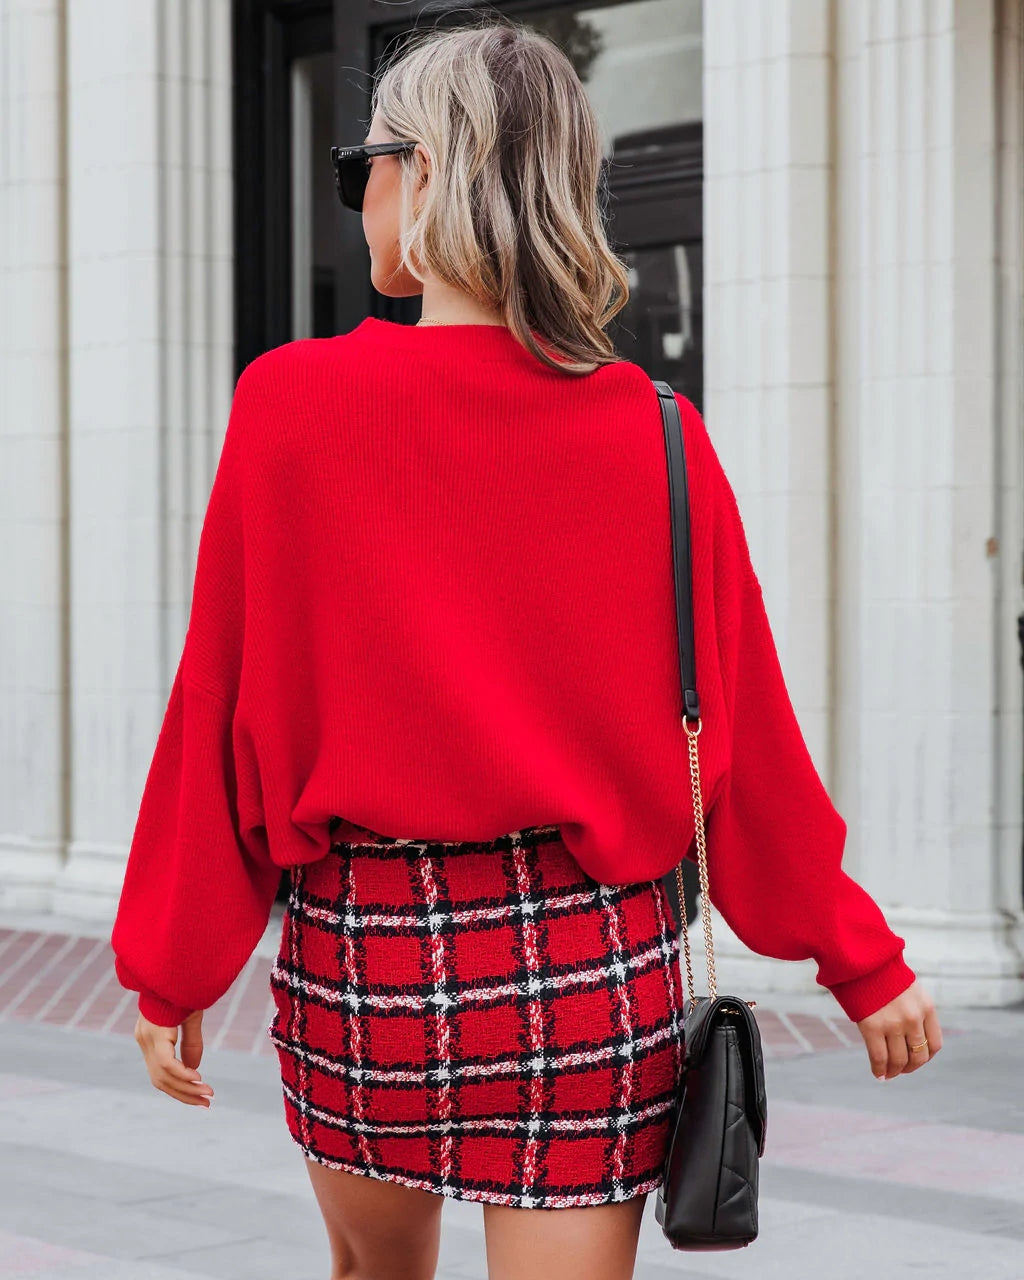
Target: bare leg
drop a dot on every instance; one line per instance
(377, 1230)
(594, 1243)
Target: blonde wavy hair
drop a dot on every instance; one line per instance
(513, 211)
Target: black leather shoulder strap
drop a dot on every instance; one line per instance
(679, 502)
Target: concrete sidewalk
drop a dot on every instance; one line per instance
(103, 1176)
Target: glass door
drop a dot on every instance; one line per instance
(302, 82)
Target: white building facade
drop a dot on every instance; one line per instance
(862, 282)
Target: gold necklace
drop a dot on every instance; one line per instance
(429, 320)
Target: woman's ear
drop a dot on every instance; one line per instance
(423, 161)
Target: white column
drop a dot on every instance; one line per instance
(929, 409)
(863, 382)
(768, 346)
(150, 202)
(1007, 551)
(33, 655)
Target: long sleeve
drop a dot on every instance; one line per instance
(196, 896)
(200, 884)
(775, 840)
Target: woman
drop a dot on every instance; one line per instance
(431, 668)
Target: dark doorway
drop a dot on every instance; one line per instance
(303, 72)
(285, 76)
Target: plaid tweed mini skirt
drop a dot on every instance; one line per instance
(479, 1019)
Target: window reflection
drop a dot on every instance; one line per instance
(315, 240)
(641, 64)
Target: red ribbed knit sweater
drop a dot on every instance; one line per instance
(434, 595)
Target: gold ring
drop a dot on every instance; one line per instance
(921, 1045)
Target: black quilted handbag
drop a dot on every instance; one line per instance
(708, 1195)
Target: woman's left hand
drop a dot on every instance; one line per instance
(179, 1078)
(904, 1035)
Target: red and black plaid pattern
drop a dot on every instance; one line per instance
(479, 1019)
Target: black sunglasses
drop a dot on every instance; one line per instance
(352, 168)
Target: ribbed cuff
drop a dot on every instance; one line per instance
(162, 1012)
(152, 1007)
(861, 997)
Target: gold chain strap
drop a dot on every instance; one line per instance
(702, 864)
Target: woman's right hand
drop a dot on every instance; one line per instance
(890, 1031)
(177, 1077)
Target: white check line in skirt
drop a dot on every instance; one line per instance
(479, 1019)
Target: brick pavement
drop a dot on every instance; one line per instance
(67, 979)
